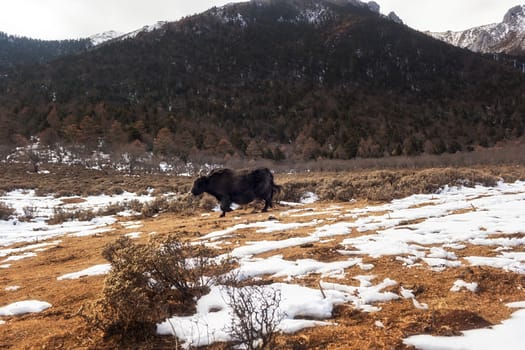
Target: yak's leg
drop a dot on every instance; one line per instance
(225, 205)
(268, 202)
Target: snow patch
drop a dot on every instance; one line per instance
(11, 288)
(96, 270)
(508, 335)
(309, 198)
(24, 307)
(298, 305)
(460, 284)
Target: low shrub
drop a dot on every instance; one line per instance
(159, 204)
(112, 209)
(60, 215)
(149, 282)
(207, 202)
(385, 185)
(293, 191)
(135, 205)
(184, 204)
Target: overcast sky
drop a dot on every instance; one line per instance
(63, 19)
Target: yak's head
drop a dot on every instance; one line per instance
(200, 186)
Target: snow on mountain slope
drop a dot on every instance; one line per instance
(505, 37)
(314, 14)
(101, 38)
(145, 29)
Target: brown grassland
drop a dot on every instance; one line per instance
(62, 327)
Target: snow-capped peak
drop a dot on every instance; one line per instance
(515, 16)
(505, 37)
(145, 29)
(100, 38)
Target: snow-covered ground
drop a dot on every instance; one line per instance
(428, 231)
(420, 230)
(503, 336)
(23, 229)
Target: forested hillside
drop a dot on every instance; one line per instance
(16, 50)
(276, 79)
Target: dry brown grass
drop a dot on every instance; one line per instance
(384, 185)
(376, 185)
(77, 181)
(61, 326)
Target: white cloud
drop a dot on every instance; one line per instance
(61, 19)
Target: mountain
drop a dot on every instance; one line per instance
(293, 79)
(16, 50)
(506, 37)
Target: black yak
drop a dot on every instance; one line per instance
(241, 187)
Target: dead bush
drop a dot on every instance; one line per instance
(385, 185)
(255, 316)
(344, 194)
(326, 190)
(149, 282)
(294, 191)
(185, 204)
(6, 211)
(207, 202)
(30, 213)
(112, 209)
(115, 190)
(188, 268)
(431, 180)
(384, 192)
(61, 215)
(181, 204)
(135, 205)
(60, 193)
(158, 205)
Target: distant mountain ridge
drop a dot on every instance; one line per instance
(506, 37)
(19, 50)
(308, 13)
(16, 50)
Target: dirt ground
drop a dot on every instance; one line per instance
(61, 327)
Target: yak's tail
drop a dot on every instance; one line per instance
(276, 188)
